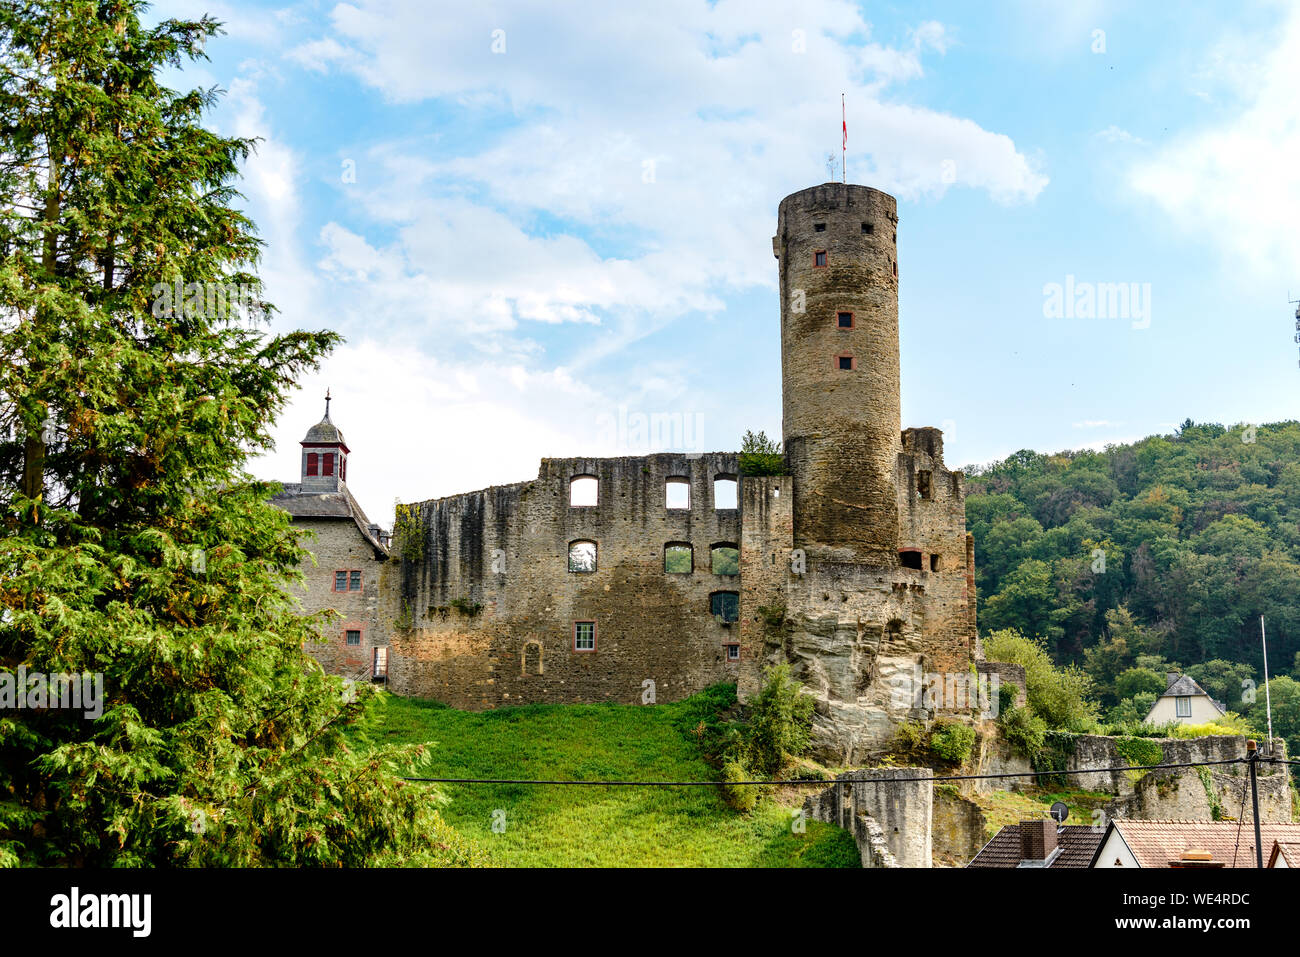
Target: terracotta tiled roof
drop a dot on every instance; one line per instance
(1289, 851)
(1156, 843)
(1078, 843)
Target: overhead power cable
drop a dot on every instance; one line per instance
(821, 783)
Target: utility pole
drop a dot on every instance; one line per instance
(1252, 758)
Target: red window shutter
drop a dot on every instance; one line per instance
(328, 464)
(343, 467)
(311, 463)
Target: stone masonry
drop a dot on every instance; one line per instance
(854, 567)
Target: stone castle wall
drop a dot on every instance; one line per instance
(854, 568)
(487, 601)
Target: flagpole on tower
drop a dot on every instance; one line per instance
(844, 146)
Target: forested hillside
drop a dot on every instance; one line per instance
(1157, 555)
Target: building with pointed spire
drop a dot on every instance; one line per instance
(350, 552)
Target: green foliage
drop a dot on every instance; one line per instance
(1007, 695)
(1054, 755)
(1136, 681)
(910, 736)
(1057, 695)
(1231, 723)
(1141, 751)
(952, 741)
(760, 455)
(1171, 547)
(466, 606)
(779, 721)
(408, 534)
(1285, 694)
(739, 797)
(1211, 794)
(1024, 729)
(133, 542)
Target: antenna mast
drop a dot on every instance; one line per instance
(1268, 698)
(1297, 318)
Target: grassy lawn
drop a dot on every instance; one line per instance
(549, 826)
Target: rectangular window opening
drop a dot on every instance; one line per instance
(934, 563)
(733, 652)
(844, 320)
(584, 636)
(910, 559)
(923, 486)
(353, 636)
(1184, 707)
(725, 606)
(354, 581)
(677, 493)
(341, 581)
(819, 258)
(845, 362)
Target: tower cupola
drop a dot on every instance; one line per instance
(324, 456)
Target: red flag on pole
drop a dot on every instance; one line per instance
(844, 147)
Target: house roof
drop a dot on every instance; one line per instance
(1183, 686)
(327, 505)
(1289, 851)
(1078, 844)
(1156, 843)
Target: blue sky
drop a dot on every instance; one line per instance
(521, 233)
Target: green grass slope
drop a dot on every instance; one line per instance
(593, 826)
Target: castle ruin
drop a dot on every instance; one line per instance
(639, 579)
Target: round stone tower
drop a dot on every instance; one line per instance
(837, 246)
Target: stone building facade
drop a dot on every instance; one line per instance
(642, 579)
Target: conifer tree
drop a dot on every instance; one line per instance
(134, 544)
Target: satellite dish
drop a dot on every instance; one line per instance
(1059, 812)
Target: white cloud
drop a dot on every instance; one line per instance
(1115, 134)
(1235, 182)
(629, 178)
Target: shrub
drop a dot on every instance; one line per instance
(910, 736)
(1023, 729)
(1140, 751)
(760, 455)
(1057, 695)
(1230, 723)
(952, 741)
(739, 797)
(779, 721)
(1007, 694)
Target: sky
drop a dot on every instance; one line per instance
(534, 223)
